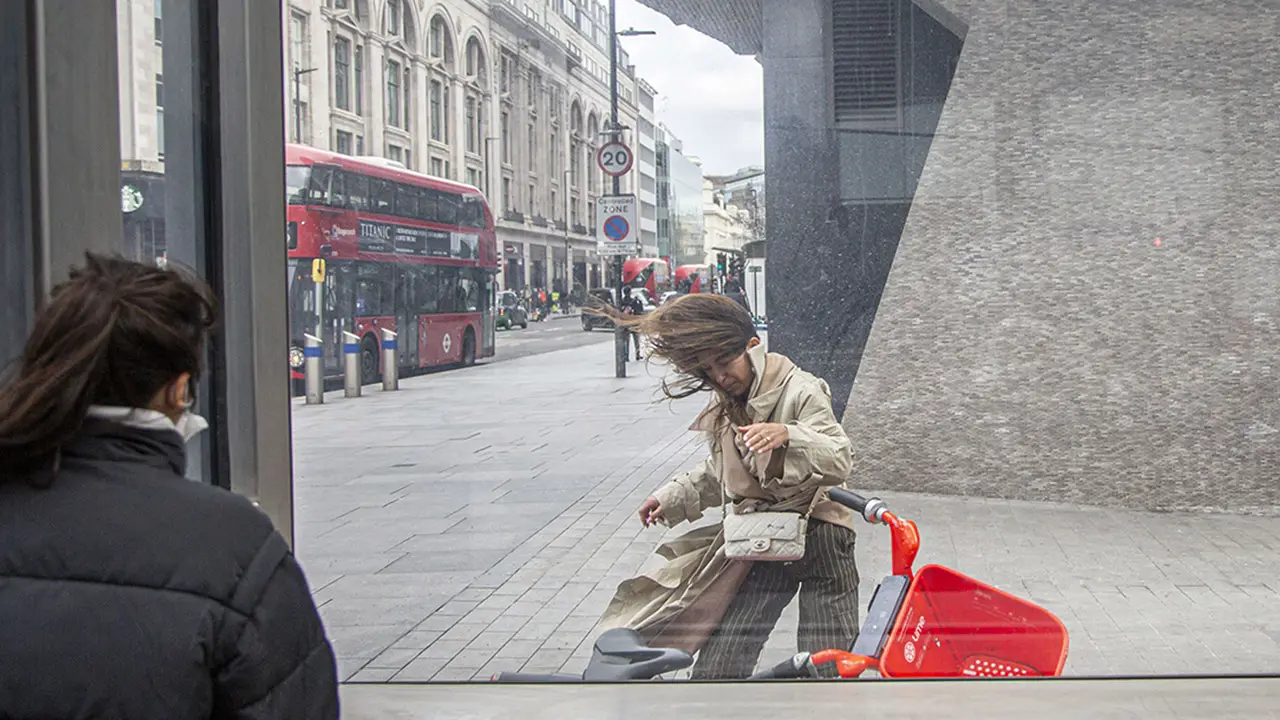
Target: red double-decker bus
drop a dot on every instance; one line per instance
(403, 251)
(692, 278)
(652, 274)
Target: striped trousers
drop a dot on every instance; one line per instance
(827, 579)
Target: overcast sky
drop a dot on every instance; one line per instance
(709, 97)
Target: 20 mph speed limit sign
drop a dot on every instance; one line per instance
(615, 159)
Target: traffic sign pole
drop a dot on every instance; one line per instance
(619, 334)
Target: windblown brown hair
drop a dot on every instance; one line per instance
(115, 333)
(684, 331)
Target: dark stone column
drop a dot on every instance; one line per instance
(840, 189)
(806, 292)
(17, 299)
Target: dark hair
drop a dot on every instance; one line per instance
(686, 330)
(115, 333)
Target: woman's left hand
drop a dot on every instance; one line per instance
(763, 437)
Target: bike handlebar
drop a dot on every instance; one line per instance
(871, 509)
(795, 667)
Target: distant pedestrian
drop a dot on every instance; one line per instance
(632, 305)
(129, 591)
(733, 291)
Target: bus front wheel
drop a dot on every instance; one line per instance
(469, 348)
(369, 360)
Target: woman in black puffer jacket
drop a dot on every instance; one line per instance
(126, 590)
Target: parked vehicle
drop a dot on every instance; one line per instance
(609, 296)
(597, 297)
(511, 312)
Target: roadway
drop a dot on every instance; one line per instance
(557, 333)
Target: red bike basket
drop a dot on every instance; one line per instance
(951, 625)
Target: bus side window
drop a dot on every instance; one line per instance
(447, 299)
(447, 212)
(428, 290)
(406, 201)
(319, 185)
(375, 290)
(382, 195)
(420, 197)
(407, 287)
(469, 290)
(337, 189)
(357, 192)
(472, 212)
(429, 206)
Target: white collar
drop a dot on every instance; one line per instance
(146, 419)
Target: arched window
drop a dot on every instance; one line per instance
(575, 119)
(440, 41)
(397, 21)
(393, 18)
(593, 142)
(476, 63)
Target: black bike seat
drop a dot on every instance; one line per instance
(620, 654)
(622, 642)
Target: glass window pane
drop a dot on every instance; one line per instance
(428, 289)
(406, 201)
(357, 191)
(447, 208)
(382, 196)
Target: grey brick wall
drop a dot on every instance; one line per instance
(1033, 341)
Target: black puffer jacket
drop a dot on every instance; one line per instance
(127, 591)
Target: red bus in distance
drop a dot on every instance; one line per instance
(692, 278)
(652, 274)
(403, 251)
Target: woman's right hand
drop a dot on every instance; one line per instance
(651, 511)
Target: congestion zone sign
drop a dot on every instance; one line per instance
(615, 221)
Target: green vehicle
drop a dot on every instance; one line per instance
(511, 312)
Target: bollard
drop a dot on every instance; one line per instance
(390, 366)
(313, 355)
(351, 364)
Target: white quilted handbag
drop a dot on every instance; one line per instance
(776, 536)
(768, 535)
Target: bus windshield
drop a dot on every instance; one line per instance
(296, 182)
(311, 185)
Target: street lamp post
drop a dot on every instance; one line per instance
(615, 130)
(297, 101)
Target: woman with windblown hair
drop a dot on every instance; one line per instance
(775, 446)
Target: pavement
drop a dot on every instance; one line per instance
(479, 520)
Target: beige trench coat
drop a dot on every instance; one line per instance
(677, 605)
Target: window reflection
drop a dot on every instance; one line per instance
(162, 174)
(1057, 253)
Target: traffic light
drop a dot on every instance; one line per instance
(720, 263)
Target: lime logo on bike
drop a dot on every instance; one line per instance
(909, 652)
